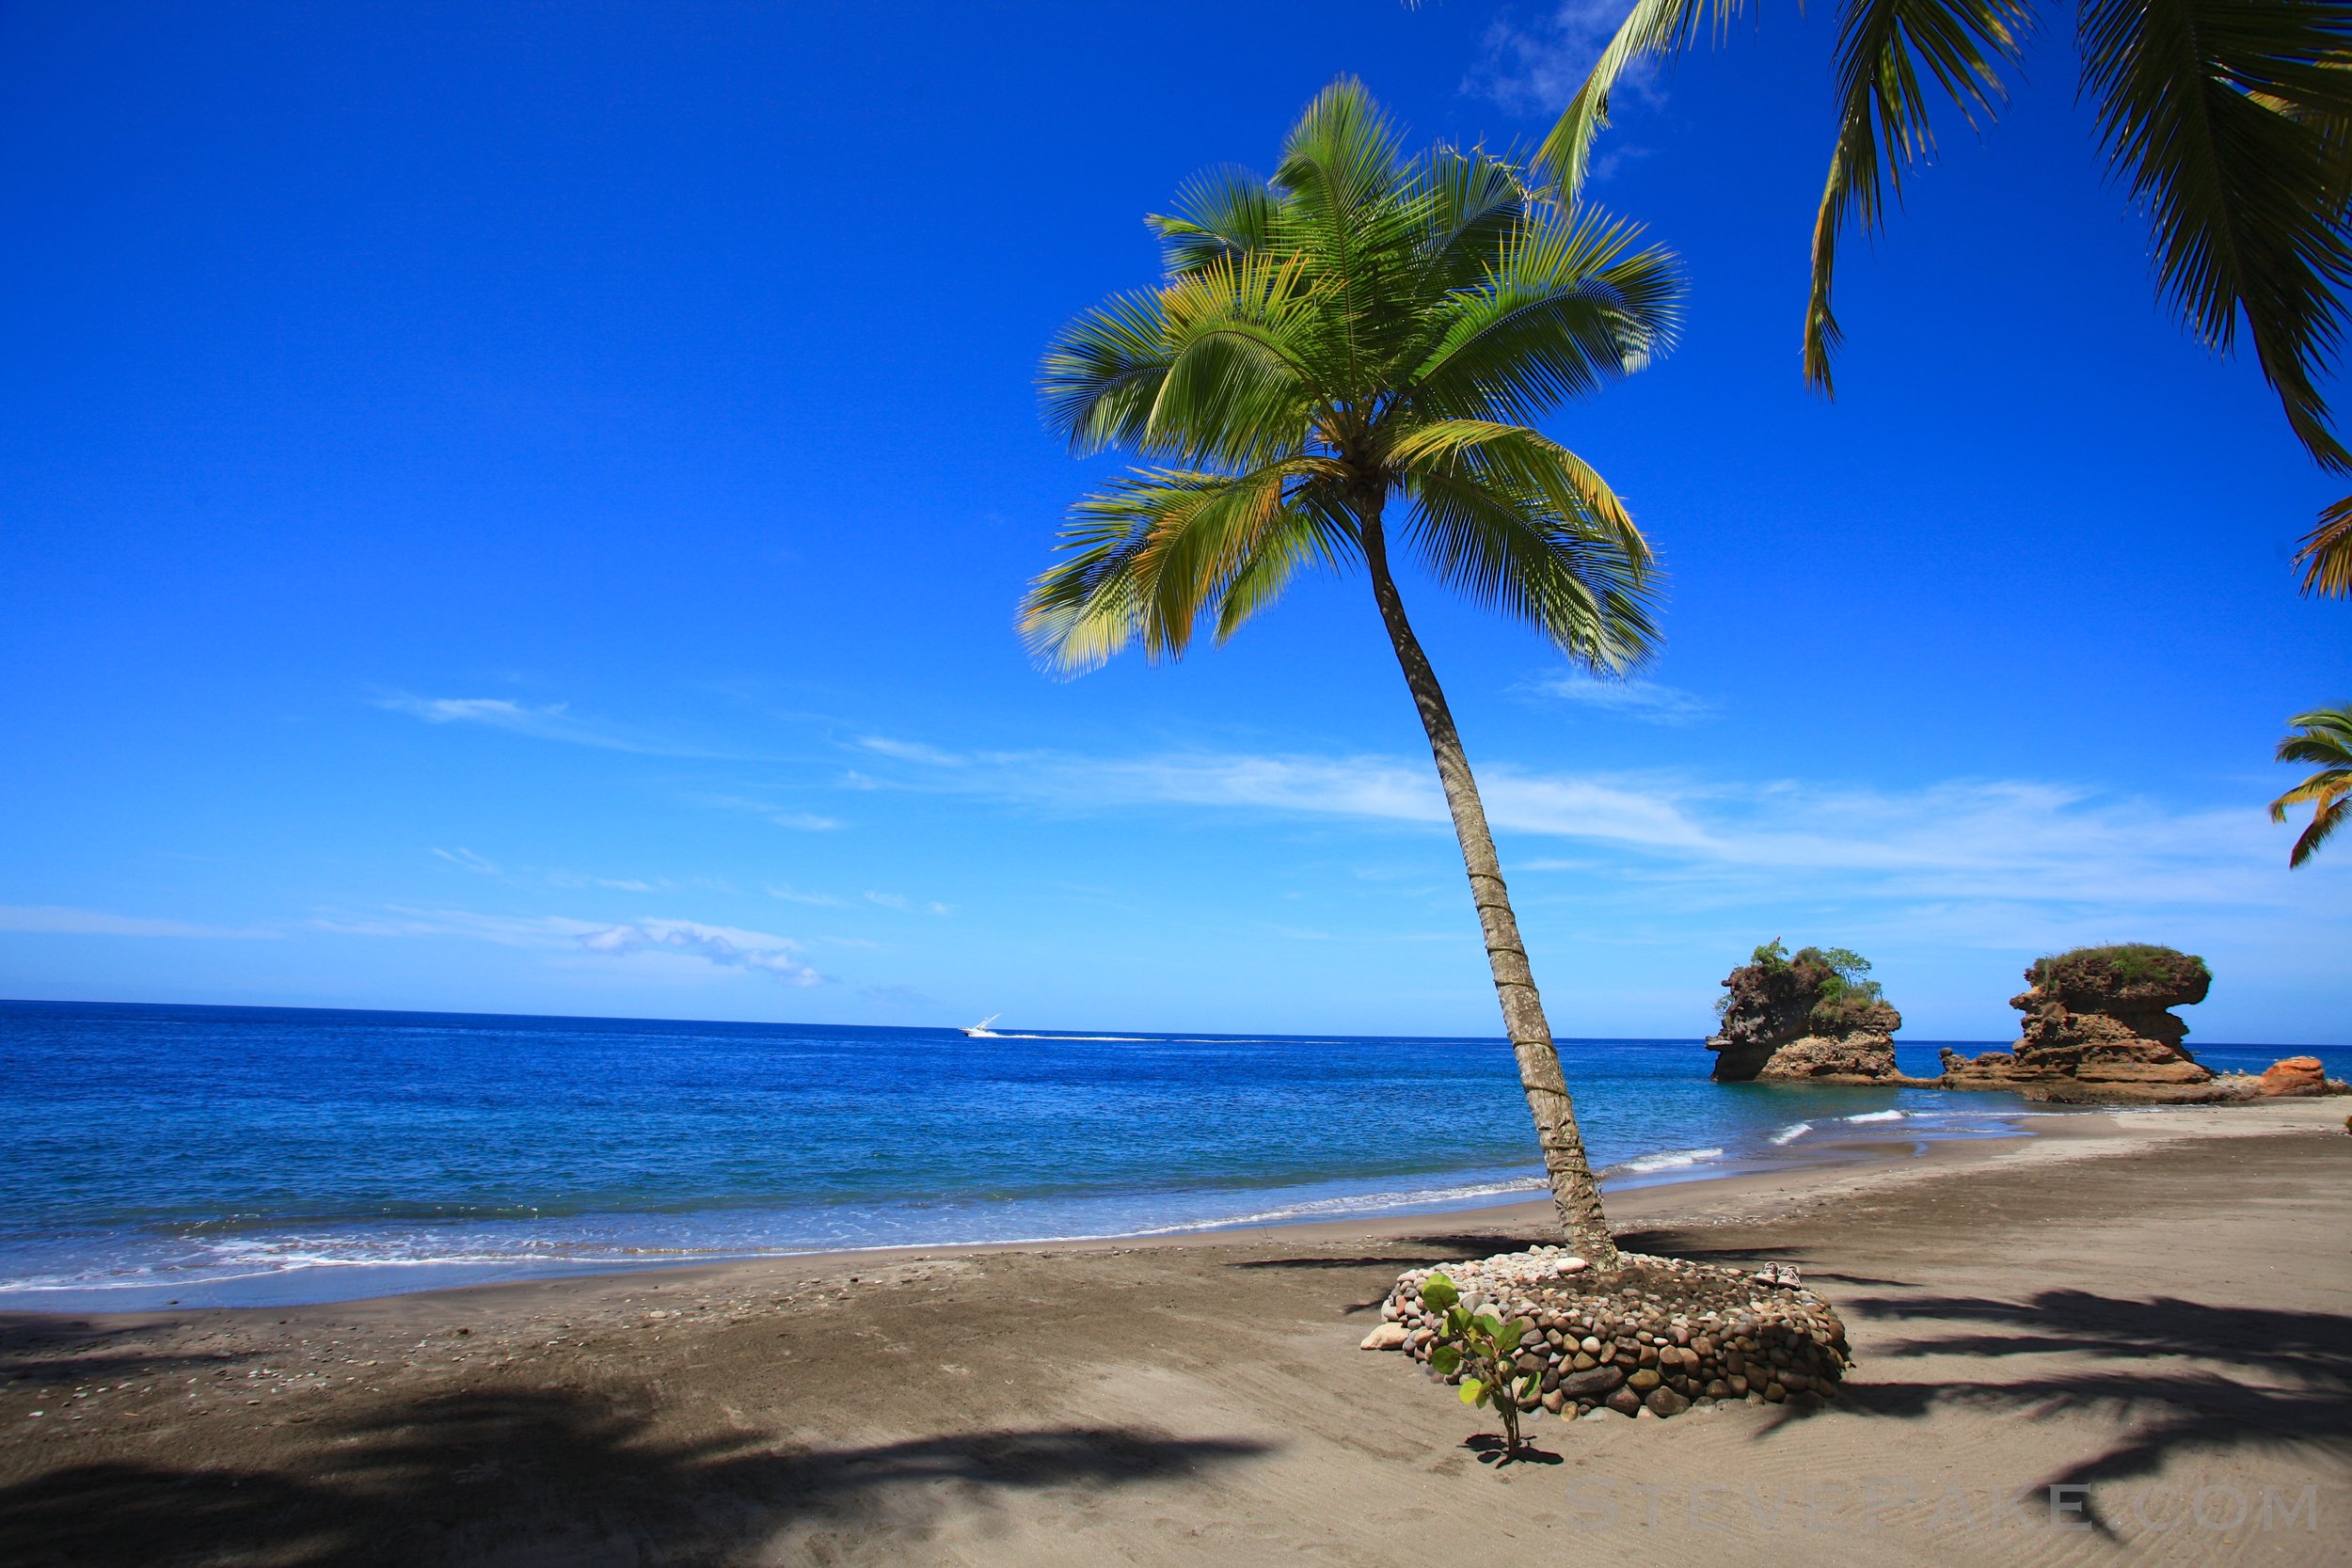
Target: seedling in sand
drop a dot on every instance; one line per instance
(1483, 1350)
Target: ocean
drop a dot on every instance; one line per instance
(230, 1155)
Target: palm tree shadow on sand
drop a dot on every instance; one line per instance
(558, 1477)
(2270, 1381)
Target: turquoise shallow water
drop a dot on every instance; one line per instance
(216, 1155)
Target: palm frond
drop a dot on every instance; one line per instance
(2324, 821)
(1526, 462)
(2244, 199)
(1102, 372)
(1154, 552)
(1567, 576)
(1241, 383)
(1653, 29)
(1883, 127)
(1567, 307)
(1221, 215)
(2326, 555)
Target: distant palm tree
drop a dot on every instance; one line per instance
(2229, 120)
(2325, 738)
(1363, 342)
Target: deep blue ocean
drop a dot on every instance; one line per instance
(216, 1155)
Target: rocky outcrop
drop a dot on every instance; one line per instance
(2098, 1028)
(2296, 1076)
(1807, 1019)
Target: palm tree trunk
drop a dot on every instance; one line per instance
(1574, 1192)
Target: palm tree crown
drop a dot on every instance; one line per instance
(1365, 331)
(1360, 328)
(2324, 737)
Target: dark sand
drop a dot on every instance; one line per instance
(2148, 1312)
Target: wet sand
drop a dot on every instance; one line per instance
(2130, 1336)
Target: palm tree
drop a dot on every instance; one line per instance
(2229, 120)
(1357, 346)
(2325, 738)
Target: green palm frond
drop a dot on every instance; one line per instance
(1102, 373)
(1883, 126)
(2245, 200)
(1246, 373)
(1221, 215)
(1566, 307)
(1652, 30)
(1566, 577)
(1528, 462)
(2325, 554)
(2324, 821)
(1153, 551)
(2323, 738)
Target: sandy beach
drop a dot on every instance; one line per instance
(2125, 1337)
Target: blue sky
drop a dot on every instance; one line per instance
(520, 508)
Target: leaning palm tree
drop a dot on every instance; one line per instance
(2324, 737)
(2229, 120)
(1348, 356)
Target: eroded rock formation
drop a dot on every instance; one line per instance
(1810, 1017)
(2098, 1027)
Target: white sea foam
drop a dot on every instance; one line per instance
(1665, 1159)
(1792, 1133)
(1878, 1115)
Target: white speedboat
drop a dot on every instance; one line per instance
(982, 1031)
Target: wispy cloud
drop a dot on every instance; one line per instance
(1536, 69)
(551, 722)
(783, 817)
(794, 895)
(1963, 842)
(904, 904)
(1645, 701)
(465, 860)
(57, 919)
(721, 947)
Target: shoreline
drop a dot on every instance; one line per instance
(1855, 1165)
(1835, 1144)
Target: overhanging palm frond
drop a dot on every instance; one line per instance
(1883, 127)
(1242, 378)
(1653, 29)
(2323, 737)
(2326, 555)
(2246, 199)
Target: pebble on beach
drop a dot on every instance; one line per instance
(1658, 1335)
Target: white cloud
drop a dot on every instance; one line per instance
(727, 947)
(1647, 701)
(2066, 850)
(553, 722)
(800, 821)
(618, 884)
(1538, 68)
(795, 896)
(58, 920)
(724, 946)
(465, 860)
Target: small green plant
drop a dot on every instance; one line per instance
(1483, 1350)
